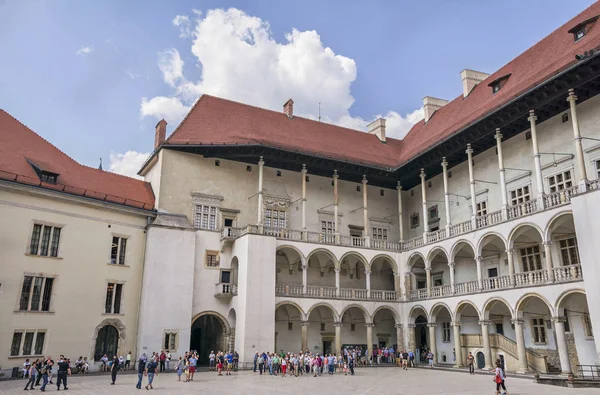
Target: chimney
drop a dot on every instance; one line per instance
(377, 127)
(288, 108)
(160, 134)
(431, 105)
(470, 78)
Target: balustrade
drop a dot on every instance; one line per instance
(288, 289)
(435, 236)
(461, 228)
(352, 241)
(226, 289)
(320, 292)
(560, 197)
(500, 282)
(489, 219)
(531, 278)
(468, 287)
(593, 185)
(522, 209)
(567, 273)
(353, 293)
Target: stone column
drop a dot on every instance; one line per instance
(446, 195)
(479, 274)
(338, 336)
(369, 339)
(365, 211)
(400, 220)
(451, 266)
(561, 345)
(521, 350)
(511, 266)
(304, 325)
(503, 191)
(457, 345)
(428, 273)
(337, 281)
(433, 340)
(487, 351)
(424, 203)
(304, 278)
(577, 139)
(411, 337)
(261, 164)
(335, 205)
(399, 336)
(304, 171)
(536, 158)
(368, 281)
(469, 152)
(549, 263)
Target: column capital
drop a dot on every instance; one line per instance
(399, 186)
(398, 326)
(337, 270)
(261, 161)
(517, 321)
(547, 243)
(428, 268)
(484, 322)
(478, 258)
(469, 149)
(304, 323)
(456, 323)
(364, 179)
(335, 174)
(367, 272)
(432, 324)
(304, 266)
(572, 97)
(412, 326)
(407, 274)
(444, 162)
(369, 325)
(337, 324)
(510, 251)
(422, 174)
(451, 264)
(559, 319)
(304, 168)
(532, 117)
(498, 134)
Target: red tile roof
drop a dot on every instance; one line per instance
(18, 144)
(216, 121)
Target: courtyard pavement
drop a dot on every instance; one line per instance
(366, 381)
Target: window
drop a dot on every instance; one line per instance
(117, 250)
(429, 184)
(217, 163)
(27, 343)
(482, 208)
(44, 240)
(412, 192)
(567, 323)
(587, 326)
(322, 326)
(500, 328)
(531, 258)
(450, 174)
(498, 83)
(597, 165)
(433, 213)
(568, 251)
(36, 293)
(580, 33)
(519, 195)
(414, 220)
(538, 330)
(290, 326)
(446, 332)
(380, 234)
(381, 192)
(327, 227)
(352, 327)
(212, 259)
(278, 173)
(560, 181)
(527, 136)
(205, 217)
(358, 188)
(275, 218)
(170, 341)
(248, 168)
(565, 117)
(307, 178)
(50, 178)
(113, 298)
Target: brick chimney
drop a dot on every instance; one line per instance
(160, 134)
(288, 108)
(431, 105)
(470, 78)
(377, 127)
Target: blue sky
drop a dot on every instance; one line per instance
(94, 77)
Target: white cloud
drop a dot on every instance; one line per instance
(84, 51)
(127, 164)
(239, 59)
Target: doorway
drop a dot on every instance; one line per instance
(208, 334)
(480, 360)
(326, 347)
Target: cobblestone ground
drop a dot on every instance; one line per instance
(366, 381)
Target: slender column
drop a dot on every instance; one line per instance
(337, 282)
(261, 164)
(338, 337)
(446, 195)
(451, 266)
(469, 152)
(304, 325)
(433, 340)
(400, 217)
(399, 336)
(428, 273)
(304, 278)
(549, 263)
(521, 350)
(503, 191)
(365, 212)
(511, 266)
(577, 138)
(457, 345)
(487, 351)
(304, 171)
(369, 339)
(411, 337)
(335, 204)
(561, 345)
(479, 275)
(424, 202)
(368, 278)
(536, 157)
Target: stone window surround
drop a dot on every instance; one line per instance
(33, 345)
(121, 304)
(52, 295)
(173, 332)
(204, 199)
(127, 249)
(218, 259)
(62, 227)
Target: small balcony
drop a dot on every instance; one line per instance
(323, 292)
(225, 291)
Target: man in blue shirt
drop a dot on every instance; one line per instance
(141, 369)
(229, 358)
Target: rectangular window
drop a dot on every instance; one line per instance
(560, 181)
(15, 347)
(538, 330)
(169, 343)
(446, 332)
(117, 250)
(352, 327)
(327, 227)
(482, 208)
(500, 328)
(567, 323)
(433, 213)
(212, 259)
(205, 217)
(587, 326)
(275, 218)
(520, 195)
(112, 304)
(36, 293)
(531, 258)
(322, 326)
(44, 240)
(39, 343)
(23, 343)
(414, 220)
(290, 326)
(568, 251)
(597, 165)
(28, 343)
(380, 234)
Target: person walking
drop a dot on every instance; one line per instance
(128, 361)
(430, 359)
(163, 358)
(151, 372)
(211, 361)
(499, 379)
(141, 371)
(32, 373)
(179, 368)
(114, 369)
(471, 363)
(63, 370)
(45, 370)
(168, 361)
(255, 362)
(261, 364)
(193, 363)
(229, 362)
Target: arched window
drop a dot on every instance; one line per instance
(106, 342)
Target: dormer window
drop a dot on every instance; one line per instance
(579, 34)
(580, 30)
(46, 176)
(498, 83)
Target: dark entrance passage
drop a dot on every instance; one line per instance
(480, 360)
(207, 335)
(106, 342)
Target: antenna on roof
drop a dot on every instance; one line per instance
(100, 167)
(319, 111)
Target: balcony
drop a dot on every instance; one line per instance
(322, 292)
(225, 291)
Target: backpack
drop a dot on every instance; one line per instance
(260, 360)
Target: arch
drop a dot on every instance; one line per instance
(224, 323)
(514, 232)
(113, 322)
(552, 221)
(296, 305)
(291, 247)
(385, 257)
(416, 308)
(336, 262)
(489, 304)
(411, 257)
(461, 306)
(397, 318)
(457, 244)
(324, 304)
(365, 312)
(435, 309)
(565, 294)
(360, 257)
(481, 244)
(434, 252)
(523, 299)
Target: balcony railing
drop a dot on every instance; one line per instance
(520, 210)
(289, 289)
(483, 221)
(317, 291)
(353, 293)
(567, 273)
(461, 228)
(560, 197)
(534, 277)
(438, 235)
(468, 287)
(500, 282)
(225, 290)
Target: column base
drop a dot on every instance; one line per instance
(458, 366)
(522, 371)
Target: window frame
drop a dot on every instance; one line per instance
(417, 223)
(44, 299)
(481, 208)
(217, 258)
(42, 241)
(170, 338)
(379, 233)
(555, 186)
(327, 226)
(521, 194)
(268, 213)
(588, 330)
(116, 298)
(446, 332)
(535, 251)
(538, 330)
(121, 250)
(36, 334)
(568, 249)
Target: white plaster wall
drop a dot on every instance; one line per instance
(154, 176)
(586, 349)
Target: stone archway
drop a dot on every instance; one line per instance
(210, 332)
(108, 337)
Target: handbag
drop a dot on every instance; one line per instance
(498, 379)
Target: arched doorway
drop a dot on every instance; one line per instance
(480, 360)
(209, 333)
(107, 342)
(288, 328)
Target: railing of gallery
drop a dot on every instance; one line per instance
(588, 372)
(318, 291)
(548, 201)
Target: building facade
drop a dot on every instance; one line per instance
(267, 231)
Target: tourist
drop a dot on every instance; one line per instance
(128, 361)
(151, 372)
(193, 363)
(32, 373)
(64, 369)
(179, 368)
(430, 359)
(471, 363)
(45, 373)
(50, 364)
(499, 379)
(121, 362)
(141, 370)
(229, 358)
(211, 361)
(104, 363)
(236, 360)
(283, 366)
(404, 360)
(38, 369)
(255, 361)
(296, 364)
(411, 359)
(114, 369)
(168, 360)
(351, 364)
(261, 362)
(163, 358)
(26, 367)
